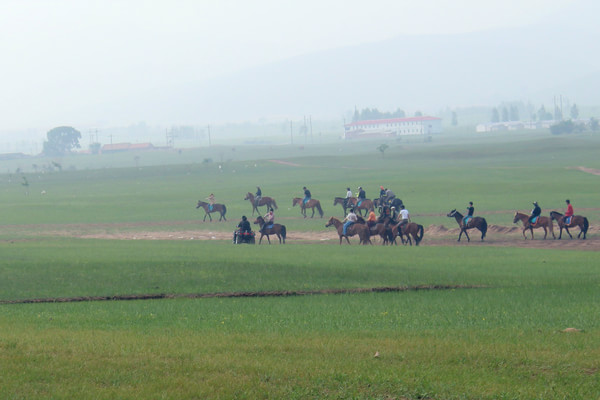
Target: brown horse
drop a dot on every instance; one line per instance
(542, 222)
(382, 229)
(312, 203)
(269, 202)
(220, 208)
(276, 229)
(352, 202)
(475, 222)
(356, 229)
(576, 220)
(411, 229)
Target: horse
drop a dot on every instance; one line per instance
(380, 228)
(264, 201)
(475, 222)
(411, 229)
(312, 203)
(349, 203)
(379, 203)
(576, 220)
(276, 229)
(356, 229)
(215, 208)
(542, 222)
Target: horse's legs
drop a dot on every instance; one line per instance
(313, 214)
(279, 237)
(460, 234)
(261, 236)
(467, 235)
(567, 230)
(545, 232)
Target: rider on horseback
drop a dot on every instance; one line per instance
(404, 216)
(257, 196)
(372, 219)
(349, 221)
(269, 218)
(211, 201)
(470, 211)
(568, 214)
(389, 196)
(307, 195)
(535, 212)
(348, 197)
(361, 196)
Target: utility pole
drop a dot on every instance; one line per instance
(310, 122)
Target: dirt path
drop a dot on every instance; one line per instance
(435, 235)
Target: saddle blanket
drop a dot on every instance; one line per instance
(534, 220)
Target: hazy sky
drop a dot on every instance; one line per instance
(57, 55)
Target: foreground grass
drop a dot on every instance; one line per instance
(502, 341)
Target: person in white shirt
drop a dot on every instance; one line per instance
(349, 221)
(404, 216)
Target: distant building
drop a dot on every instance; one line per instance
(393, 127)
(120, 147)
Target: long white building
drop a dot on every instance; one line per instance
(393, 127)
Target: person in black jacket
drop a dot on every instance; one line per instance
(244, 226)
(535, 212)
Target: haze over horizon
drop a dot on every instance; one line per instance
(109, 63)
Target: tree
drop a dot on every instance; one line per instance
(594, 124)
(574, 111)
(514, 113)
(382, 148)
(61, 140)
(418, 114)
(557, 113)
(505, 116)
(563, 127)
(543, 115)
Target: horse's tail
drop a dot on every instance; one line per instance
(586, 225)
(274, 203)
(319, 208)
(420, 234)
(224, 209)
(283, 232)
(484, 227)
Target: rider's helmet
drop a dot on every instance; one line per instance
(360, 188)
(535, 203)
(244, 218)
(270, 209)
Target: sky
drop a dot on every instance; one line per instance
(59, 55)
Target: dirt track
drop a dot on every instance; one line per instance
(435, 235)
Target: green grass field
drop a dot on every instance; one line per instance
(497, 335)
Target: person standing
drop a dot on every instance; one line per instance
(470, 211)
(569, 213)
(536, 212)
(349, 221)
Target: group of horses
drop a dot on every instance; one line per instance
(388, 230)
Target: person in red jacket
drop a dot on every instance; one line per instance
(569, 213)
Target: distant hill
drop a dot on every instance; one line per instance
(426, 73)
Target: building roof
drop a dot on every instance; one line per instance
(392, 121)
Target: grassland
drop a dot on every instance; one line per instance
(497, 335)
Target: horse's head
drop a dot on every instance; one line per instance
(200, 204)
(248, 195)
(555, 215)
(295, 201)
(259, 220)
(451, 213)
(516, 218)
(330, 222)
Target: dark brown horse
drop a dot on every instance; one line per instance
(276, 229)
(346, 204)
(475, 222)
(542, 222)
(411, 229)
(264, 201)
(356, 229)
(312, 204)
(220, 208)
(382, 229)
(576, 220)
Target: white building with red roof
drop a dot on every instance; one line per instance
(393, 127)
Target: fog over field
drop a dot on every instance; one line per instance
(128, 71)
